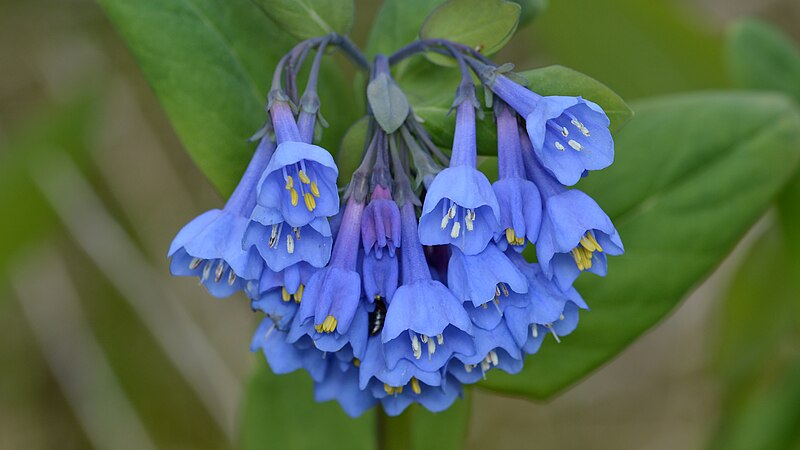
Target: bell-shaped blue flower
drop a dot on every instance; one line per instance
(485, 277)
(570, 135)
(341, 384)
(425, 323)
(300, 180)
(493, 348)
(460, 207)
(210, 246)
(518, 198)
(290, 282)
(333, 294)
(373, 367)
(282, 245)
(395, 399)
(380, 235)
(576, 234)
(284, 357)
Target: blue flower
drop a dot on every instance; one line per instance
(282, 245)
(576, 234)
(284, 357)
(380, 235)
(518, 198)
(424, 318)
(569, 134)
(333, 294)
(395, 399)
(493, 348)
(341, 384)
(373, 367)
(290, 282)
(210, 246)
(485, 277)
(300, 180)
(460, 207)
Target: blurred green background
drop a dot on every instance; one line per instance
(100, 348)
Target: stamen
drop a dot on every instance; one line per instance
(511, 237)
(493, 358)
(456, 230)
(328, 325)
(296, 233)
(415, 347)
(415, 386)
(273, 237)
(219, 272)
(468, 218)
(589, 242)
(559, 146)
(356, 362)
(315, 189)
(485, 366)
(289, 244)
(468, 367)
(564, 131)
(206, 271)
(303, 177)
(289, 183)
(285, 296)
(295, 197)
(535, 331)
(298, 296)
(431, 348)
(497, 291)
(439, 339)
(423, 338)
(309, 200)
(195, 263)
(561, 316)
(231, 278)
(575, 145)
(451, 213)
(445, 221)
(581, 127)
(504, 289)
(550, 328)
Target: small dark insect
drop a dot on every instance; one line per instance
(377, 316)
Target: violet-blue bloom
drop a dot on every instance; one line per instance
(460, 207)
(576, 234)
(395, 400)
(284, 357)
(333, 293)
(493, 348)
(487, 276)
(380, 234)
(424, 317)
(341, 384)
(210, 246)
(300, 180)
(282, 245)
(518, 198)
(570, 135)
(373, 367)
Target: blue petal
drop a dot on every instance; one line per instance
(425, 307)
(475, 278)
(520, 208)
(380, 276)
(343, 387)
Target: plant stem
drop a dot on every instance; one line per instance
(394, 433)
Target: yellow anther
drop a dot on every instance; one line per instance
(590, 243)
(511, 237)
(314, 189)
(289, 183)
(328, 325)
(388, 389)
(356, 362)
(309, 200)
(285, 296)
(415, 386)
(318, 328)
(298, 296)
(398, 390)
(303, 177)
(295, 197)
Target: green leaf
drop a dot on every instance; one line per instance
(486, 25)
(388, 103)
(352, 149)
(211, 73)
(552, 80)
(305, 19)
(280, 413)
(397, 24)
(761, 57)
(692, 175)
(530, 10)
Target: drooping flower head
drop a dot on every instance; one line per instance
(576, 234)
(518, 198)
(210, 246)
(425, 323)
(300, 180)
(460, 207)
(570, 135)
(380, 234)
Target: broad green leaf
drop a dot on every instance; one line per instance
(398, 24)
(761, 57)
(305, 19)
(530, 10)
(280, 413)
(552, 80)
(485, 25)
(388, 103)
(692, 174)
(352, 149)
(211, 73)
(639, 48)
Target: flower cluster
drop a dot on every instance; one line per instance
(397, 304)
